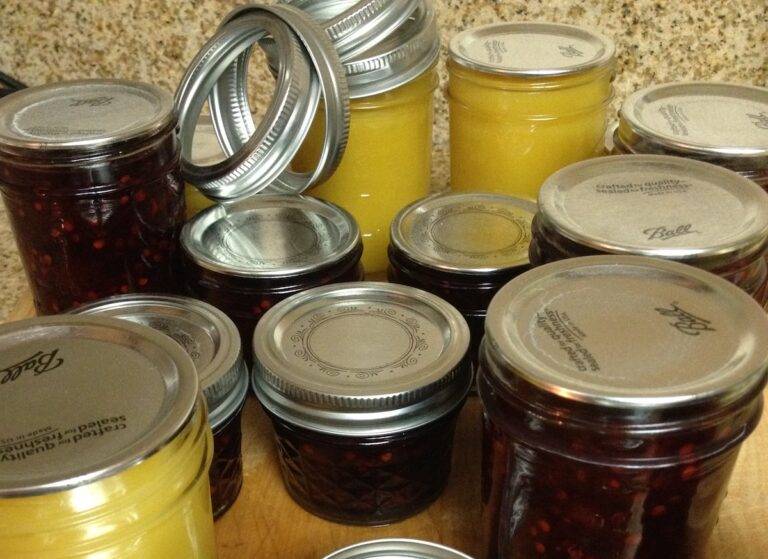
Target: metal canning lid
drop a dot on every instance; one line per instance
(355, 26)
(232, 116)
(83, 115)
(361, 359)
(629, 332)
(657, 205)
(402, 57)
(531, 49)
(262, 156)
(270, 236)
(473, 233)
(721, 121)
(208, 336)
(397, 549)
(84, 398)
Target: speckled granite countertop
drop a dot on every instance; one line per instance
(657, 40)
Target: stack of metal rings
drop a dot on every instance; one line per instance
(319, 51)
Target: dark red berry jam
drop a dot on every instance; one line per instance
(363, 383)
(463, 248)
(655, 205)
(721, 123)
(89, 173)
(247, 256)
(226, 474)
(617, 391)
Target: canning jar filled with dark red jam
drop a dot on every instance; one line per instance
(246, 256)
(211, 340)
(363, 383)
(89, 173)
(617, 391)
(463, 248)
(661, 206)
(722, 123)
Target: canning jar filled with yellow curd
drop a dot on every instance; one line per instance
(525, 100)
(104, 443)
(388, 157)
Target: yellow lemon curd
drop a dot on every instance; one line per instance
(159, 508)
(387, 163)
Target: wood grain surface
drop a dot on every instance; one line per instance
(265, 523)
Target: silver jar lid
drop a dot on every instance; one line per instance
(270, 236)
(397, 549)
(531, 49)
(361, 359)
(628, 333)
(209, 337)
(711, 121)
(469, 233)
(84, 398)
(81, 116)
(657, 205)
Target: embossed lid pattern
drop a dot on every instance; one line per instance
(531, 49)
(270, 235)
(472, 233)
(397, 549)
(697, 119)
(628, 332)
(209, 337)
(83, 398)
(361, 358)
(656, 205)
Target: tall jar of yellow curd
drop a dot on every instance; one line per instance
(104, 443)
(388, 157)
(525, 99)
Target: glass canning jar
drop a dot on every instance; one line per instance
(721, 123)
(462, 247)
(617, 391)
(211, 340)
(110, 458)
(363, 383)
(89, 172)
(656, 205)
(382, 549)
(246, 256)
(525, 99)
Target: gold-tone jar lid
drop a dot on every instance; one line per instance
(209, 337)
(705, 120)
(83, 398)
(82, 116)
(361, 359)
(531, 49)
(466, 233)
(628, 333)
(657, 205)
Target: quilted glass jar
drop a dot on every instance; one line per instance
(656, 205)
(617, 392)
(462, 247)
(110, 458)
(363, 383)
(89, 173)
(211, 339)
(721, 123)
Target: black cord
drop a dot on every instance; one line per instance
(8, 82)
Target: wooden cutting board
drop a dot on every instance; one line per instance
(265, 523)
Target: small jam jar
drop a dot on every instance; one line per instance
(656, 205)
(525, 99)
(617, 392)
(89, 172)
(462, 247)
(390, 548)
(246, 256)
(725, 124)
(363, 383)
(104, 443)
(211, 339)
